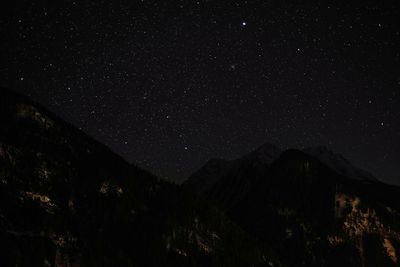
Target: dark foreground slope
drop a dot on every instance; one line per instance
(66, 200)
(309, 212)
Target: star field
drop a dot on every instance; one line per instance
(170, 84)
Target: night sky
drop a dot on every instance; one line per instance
(170, 84)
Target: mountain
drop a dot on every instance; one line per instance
(340, 164)
(67, 200)
(216, 173)
(313, 207)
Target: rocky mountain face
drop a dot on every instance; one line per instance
(67, 200)
(313, 207)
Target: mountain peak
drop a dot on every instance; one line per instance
(265, 154)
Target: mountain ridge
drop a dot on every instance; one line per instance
(311, 213)
(67, 200)
(267, 153)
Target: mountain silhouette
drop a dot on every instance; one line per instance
(68, 200)
(313, 207)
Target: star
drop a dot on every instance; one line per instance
(265, 77)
